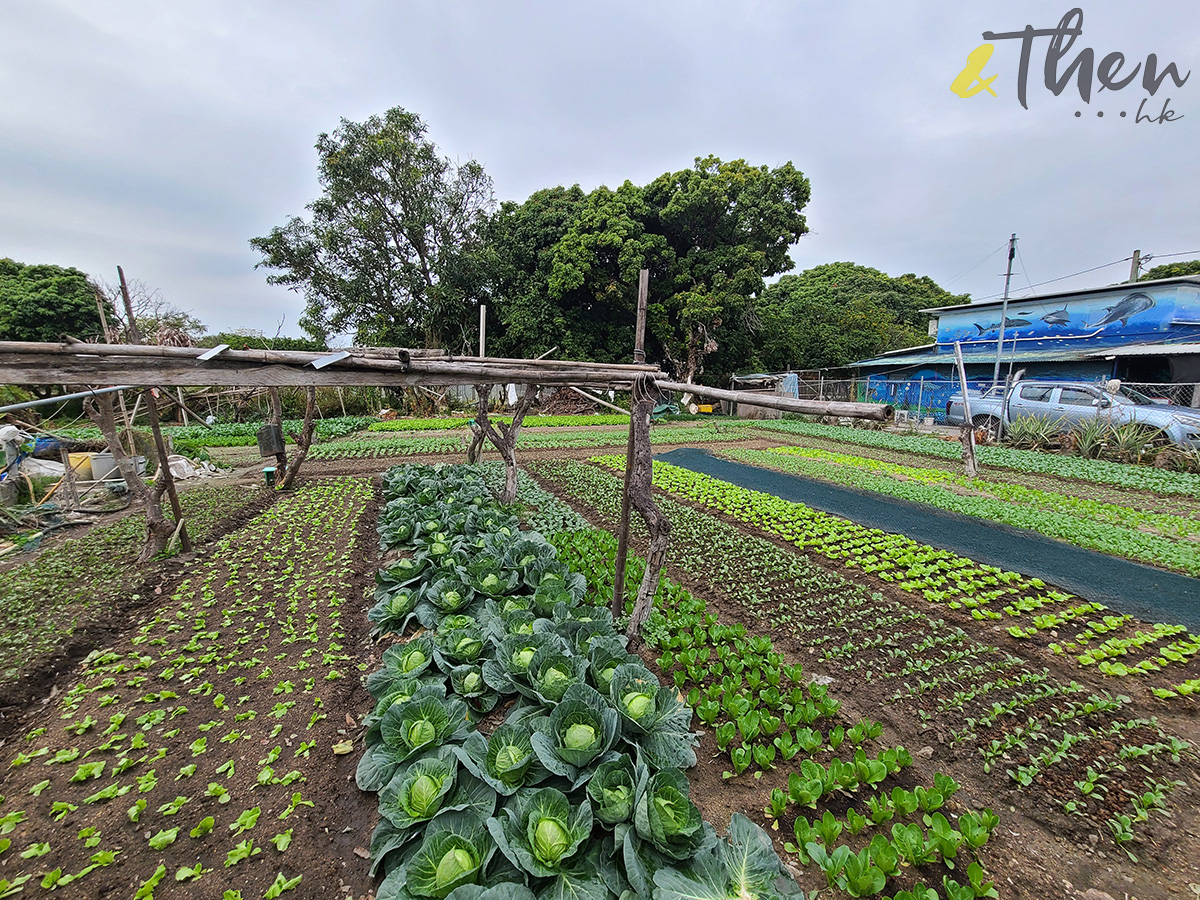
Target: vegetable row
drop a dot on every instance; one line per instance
(578, 791)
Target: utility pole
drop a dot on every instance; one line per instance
(1012, 251)
(1135, 266)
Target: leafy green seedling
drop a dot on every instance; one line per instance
(164, 839)
(203, 827)
(282, 840)
(247, 820)
(243, 850)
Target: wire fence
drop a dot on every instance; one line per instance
(927, 398)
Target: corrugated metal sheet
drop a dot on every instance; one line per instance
(947, 358)
(1149, 350)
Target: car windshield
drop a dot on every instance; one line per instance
(1135, 397)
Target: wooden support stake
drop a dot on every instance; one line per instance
(641, 497)
(164, 467)
(968, 429)
(639, 355)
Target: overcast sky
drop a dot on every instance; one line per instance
(162, 136)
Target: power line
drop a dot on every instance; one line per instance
(1064, 277)
(1025, 271)
(976, 266)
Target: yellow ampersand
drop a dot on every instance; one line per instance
(970, 81)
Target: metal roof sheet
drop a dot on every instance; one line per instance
(946, 358)
(1193, 280)
(1150, 350)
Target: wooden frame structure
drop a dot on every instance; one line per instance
(74, 362)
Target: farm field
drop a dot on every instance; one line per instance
(1164, 539)
(899, 721)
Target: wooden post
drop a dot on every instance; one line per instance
(303, 440)
(639, 334)
(152, 412)
(69, 480)
(641, 497)
(639, 356)
(968, 431)
(277, 419)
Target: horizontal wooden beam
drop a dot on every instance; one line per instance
(876, 411)
(57, 368)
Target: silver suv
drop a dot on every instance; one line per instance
(1073, 403)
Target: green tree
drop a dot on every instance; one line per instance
(391, 250)
(44, 302)
(710, 235)
(522, 236)
(1173, 270)
(834, 314)
(728, 227)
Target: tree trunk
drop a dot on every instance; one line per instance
(303, 440)
(158, 529)
(641, 497)
(505, 439)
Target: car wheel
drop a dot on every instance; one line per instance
(989, 425)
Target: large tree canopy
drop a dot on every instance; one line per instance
(837, 313)
(709, 235)
(43, 302)
(391, 250)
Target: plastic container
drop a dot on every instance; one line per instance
(103, 464)
(81, 465)
(270, 440)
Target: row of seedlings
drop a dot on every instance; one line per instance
(941, 576)
(984, 698)
(517, 749)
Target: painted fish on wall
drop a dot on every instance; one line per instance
(1128, 307)
(1008, 323)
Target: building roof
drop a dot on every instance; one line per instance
(1163, 349)
(926, 356)
(1042, 298)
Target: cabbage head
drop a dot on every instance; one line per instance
(577, 736)
(540, 832)
(612, 790)
(455, 851)
(665, 816)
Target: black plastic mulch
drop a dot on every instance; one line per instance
(1142, 591)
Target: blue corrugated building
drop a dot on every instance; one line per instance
(1145, 332)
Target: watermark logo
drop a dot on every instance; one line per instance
(1060, 68)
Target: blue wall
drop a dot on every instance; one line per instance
(1128, 314)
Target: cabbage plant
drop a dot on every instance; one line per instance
(407, 729)
(394, 611)
(455, 851)
(577, 736)
(552, 670)
(510, 667)
(665, 816)
(744, 866)
(539, 831)
(431, 785)
(604, 656)
(505, 761)
(613, 789)
(652, 717)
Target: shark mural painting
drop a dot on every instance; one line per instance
(1124, 314)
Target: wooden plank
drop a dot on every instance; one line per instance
(35, 368)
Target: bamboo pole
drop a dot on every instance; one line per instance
(876, 411)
